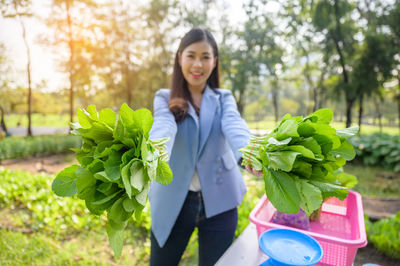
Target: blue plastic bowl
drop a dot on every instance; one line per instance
(290, 247)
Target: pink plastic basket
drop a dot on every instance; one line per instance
(340, 229)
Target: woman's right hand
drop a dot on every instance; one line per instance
(253, 171)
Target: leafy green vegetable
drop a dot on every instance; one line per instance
(117, 163)
(301, 160)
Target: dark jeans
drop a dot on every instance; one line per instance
(215, 234)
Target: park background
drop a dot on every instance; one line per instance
(277, 57)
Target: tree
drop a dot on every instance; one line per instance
(20, 9)
(72, 23)
(333, 20)
(3, 86)
(391, 20)
(302, 36)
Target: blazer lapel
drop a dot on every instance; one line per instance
(208, 108)
(193, 114)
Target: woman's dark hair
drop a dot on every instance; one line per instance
(180, 94)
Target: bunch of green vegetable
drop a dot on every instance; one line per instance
(385, 235)
(301, 160)
(378, 149)
(117, 163)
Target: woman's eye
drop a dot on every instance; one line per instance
(206, 57)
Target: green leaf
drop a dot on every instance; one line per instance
(345, 179)
(98, 132)
(325, 142)
(102, 176)
(144, 149)
(137, 177)
(281, 191)
(138, 209)
(108, 116)
(310, 196)
(346, 151)
(104, 187)
(287, 129)
(348, 132)
(85, 183)
(64, 184)
(282, 160)
(128, 156)
(112, 166)
(164, 173)
(143, 120)
(318, 172)
(116, 239)
(84, 158)
(302, 150)
(306, 129)
(142, 196)
(84, 120)
(324, 115)
(151, 169)
(330, 190)
(126, 115)
(107, 198)
(276, 142)
(98, 209)
(117, 211)
(91, 109)
(323, 129)
(96, 166)
(311, 144)
(128, 204)
(126, 174)
(302, 168)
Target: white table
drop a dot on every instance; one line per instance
(244, 251)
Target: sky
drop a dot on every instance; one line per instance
(44, 66)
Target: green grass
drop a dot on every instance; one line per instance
(39, 120)
(375, 181)
(65, 241)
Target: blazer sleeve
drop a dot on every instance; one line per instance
(164, 125)
(233, 126)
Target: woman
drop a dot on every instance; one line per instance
(205, 131)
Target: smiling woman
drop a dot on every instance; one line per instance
(205, 131)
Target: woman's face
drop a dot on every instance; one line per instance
(197, 62)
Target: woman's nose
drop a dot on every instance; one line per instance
(197, 62)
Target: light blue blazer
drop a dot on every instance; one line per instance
(209, 145)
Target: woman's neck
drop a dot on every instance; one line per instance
(197, 94)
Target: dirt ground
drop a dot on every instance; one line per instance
(375, 208)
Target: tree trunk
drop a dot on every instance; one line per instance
(360, 111)
(3, 121)
(398, 102)
(275, 103)
(349, 106)
(349, 99)
(127, 62)
(71, 62)
(240, 102)
(378, 111)
(28, 71)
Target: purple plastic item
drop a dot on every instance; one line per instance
(299, 220)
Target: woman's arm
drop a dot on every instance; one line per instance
(164, 125)
(233, 126)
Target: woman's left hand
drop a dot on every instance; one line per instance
(253, 171)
